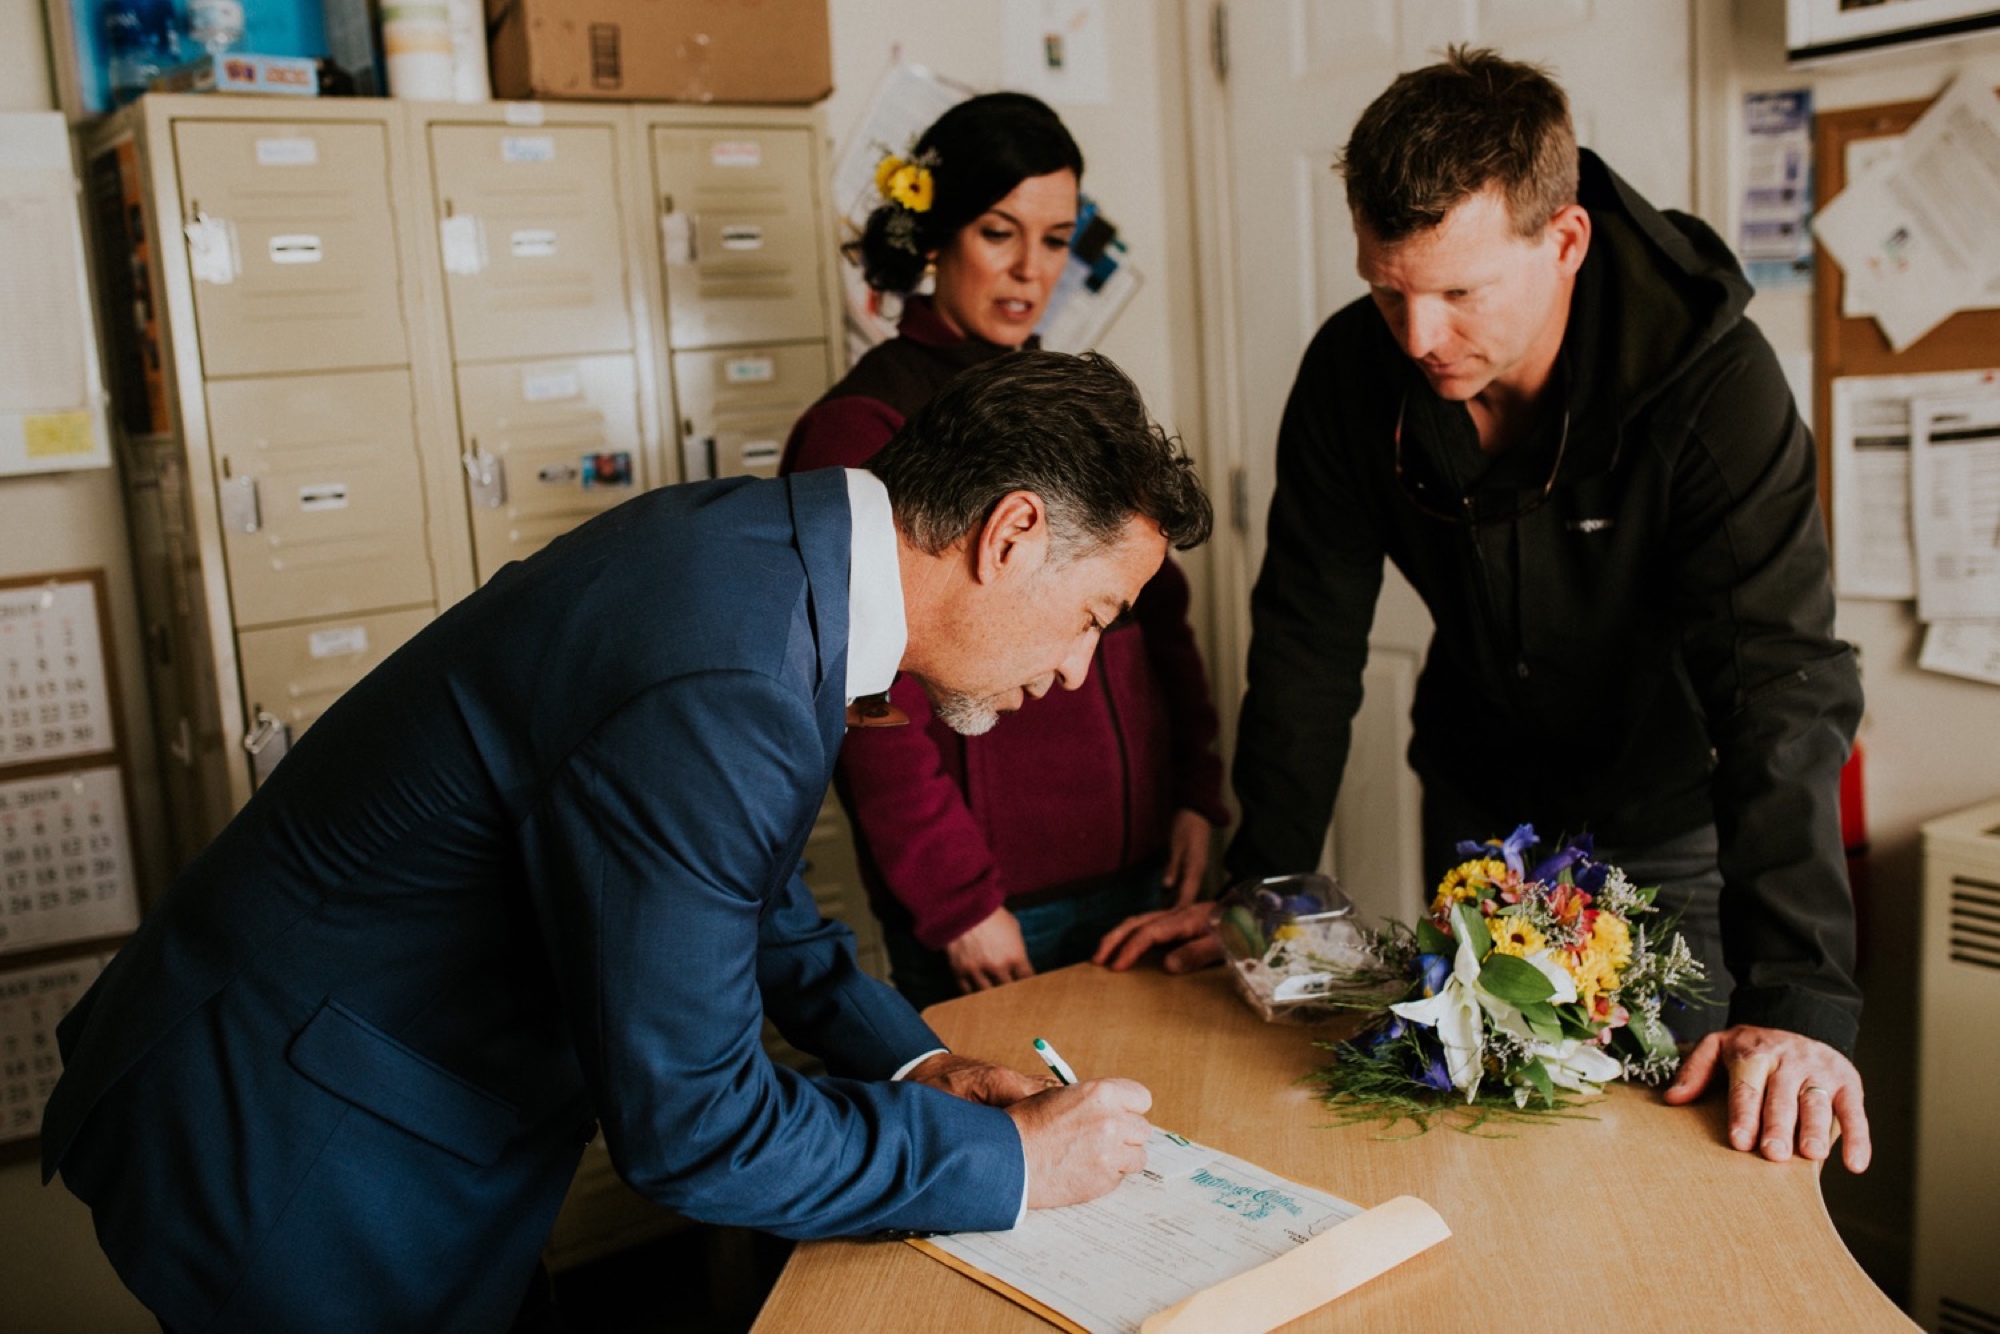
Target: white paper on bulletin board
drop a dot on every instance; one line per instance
(1058, 50)
(32, 1002)
(55, 700)
(65, 860)
(51, 394)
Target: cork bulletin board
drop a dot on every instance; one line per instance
(1846, 345)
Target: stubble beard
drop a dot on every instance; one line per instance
(967, 715)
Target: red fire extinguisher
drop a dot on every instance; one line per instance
(1854, 840)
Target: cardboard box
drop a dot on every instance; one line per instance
(661, 50)
(231, 72)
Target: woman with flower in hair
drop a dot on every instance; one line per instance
(991, 857)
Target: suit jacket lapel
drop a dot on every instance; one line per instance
(824, 529)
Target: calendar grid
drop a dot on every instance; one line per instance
(68, 889)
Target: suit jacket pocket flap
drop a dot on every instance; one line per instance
(356, 1061)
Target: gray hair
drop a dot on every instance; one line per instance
(1070, 429)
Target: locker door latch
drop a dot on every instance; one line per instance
(266, 744)
(239, 505)
(488, 478)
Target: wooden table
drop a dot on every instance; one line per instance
(1639, 1219)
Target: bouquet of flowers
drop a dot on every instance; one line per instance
(1525, 979)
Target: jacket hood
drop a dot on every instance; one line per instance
(1657, 290)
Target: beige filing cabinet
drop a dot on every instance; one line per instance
(255, 266)
(534, 242)
(747, 263)
(1954, 1283)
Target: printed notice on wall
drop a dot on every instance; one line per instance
(65, 860)
(54, 703)
(32, 1002)
(51, 394)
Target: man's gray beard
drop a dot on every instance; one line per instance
(967, 715)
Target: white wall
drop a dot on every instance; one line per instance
(1932, 742)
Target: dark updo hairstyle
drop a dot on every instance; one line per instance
(979, 151)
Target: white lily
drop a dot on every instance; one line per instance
(1579, 1066)
(1507, 1018)
(1454, 1013)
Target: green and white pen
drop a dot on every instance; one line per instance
(1055, 1062)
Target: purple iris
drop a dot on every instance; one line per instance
(1585, 872)
(1432, 1073)
(1510, 848)
(1432, 970)
(1388, 1032)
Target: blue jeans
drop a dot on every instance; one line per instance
(1683, 866)
(1057, 933)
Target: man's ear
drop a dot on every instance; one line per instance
(1570, 229)
(1014, 539)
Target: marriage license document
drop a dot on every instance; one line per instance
(1196, 1238)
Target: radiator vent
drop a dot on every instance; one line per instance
(1955, 1317)
(1975, 927)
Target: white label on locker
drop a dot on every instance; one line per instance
(296, 250)
(742, 236)
(292, 151)
(736, 153)
(212, 250)
(749, 370)
(557, 474)
(463, 241)
(528, 148)
(532, 243)
(345, 642)
(323, 496)
(547, 386)
(524, 113)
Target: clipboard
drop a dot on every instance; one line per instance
(1254, 1298)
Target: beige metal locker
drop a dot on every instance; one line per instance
(293, 673)
(291, 245)
(321, 495)
(1954, 1285)
(743, 238)
(547, 445)
(737, 405)
(284, 471)
(531, 236)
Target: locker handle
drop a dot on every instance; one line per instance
(678, 237)
(488, 478)
(240, 510)
(266, 743)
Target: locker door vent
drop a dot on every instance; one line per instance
(1975, 927)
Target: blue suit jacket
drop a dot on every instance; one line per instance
(538, 868)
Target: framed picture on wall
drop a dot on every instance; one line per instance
(1820, 29)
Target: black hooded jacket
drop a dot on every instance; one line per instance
(1648, 649)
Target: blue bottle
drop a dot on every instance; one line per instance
(141, 42)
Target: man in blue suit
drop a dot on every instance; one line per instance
(539, 871)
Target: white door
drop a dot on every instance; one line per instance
(1296, 75)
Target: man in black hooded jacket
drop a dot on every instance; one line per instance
(1552, 415)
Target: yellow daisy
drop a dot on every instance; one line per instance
(911, 186)
(1468, 880)
(1514, 935)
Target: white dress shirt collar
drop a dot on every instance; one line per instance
(876, 631)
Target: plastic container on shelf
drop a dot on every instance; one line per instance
(141, 42)
(1294, 948)
(215, 26)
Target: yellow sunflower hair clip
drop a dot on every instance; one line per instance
(906, 181)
